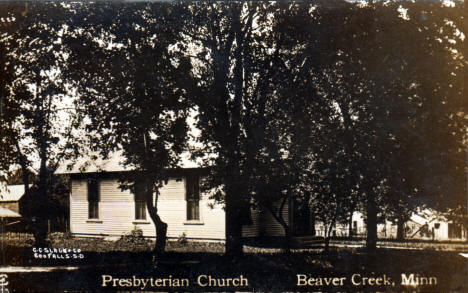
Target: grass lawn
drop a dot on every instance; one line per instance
(265, 269)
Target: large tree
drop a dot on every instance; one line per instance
(134, 88)
(404, 117)
(253, 94)
(297, 121)
(38, 114)
(224, 33)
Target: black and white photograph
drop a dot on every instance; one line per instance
(233, 146)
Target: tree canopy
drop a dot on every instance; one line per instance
(341, 106)
(39, 120)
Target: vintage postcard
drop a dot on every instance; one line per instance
(233, 146)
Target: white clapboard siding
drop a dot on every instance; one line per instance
(254, 229)
(117, 212)
(264, 224)
(270, 225)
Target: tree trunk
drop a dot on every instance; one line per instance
(400, 229)
(287, 232)
(313, 232)
(161, 236)
(350, 225)
(327, 240)
(24, 170)
(233, 228)
(25, 174)
(287, 238)
(329, 230)
(160, 226)
(41, 208)
(280, 219)
(371, 213)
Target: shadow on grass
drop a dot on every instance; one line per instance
(264, 271)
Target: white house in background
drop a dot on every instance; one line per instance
(11, 197)
(12, 201)
(423, 224)
(99, 208)
(431, 224)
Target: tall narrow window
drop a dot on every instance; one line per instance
(140, 203)
(93, 198)
(193, 197)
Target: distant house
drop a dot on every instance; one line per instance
(11, 197)
(423, 224)
(431, 224)
(99, 208)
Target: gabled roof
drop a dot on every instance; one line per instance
(11, 193)
(114, 163)
(427, 215)
(6, 213)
